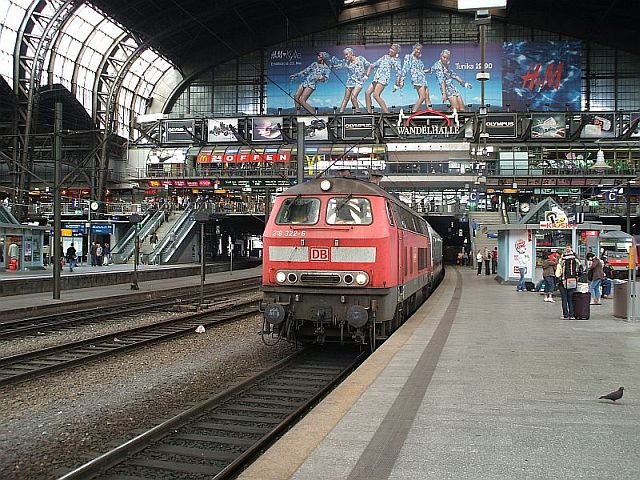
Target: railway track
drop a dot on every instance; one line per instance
(220, 436)
(40, 324)
(18, 368)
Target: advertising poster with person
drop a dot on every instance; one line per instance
(353, 69)
(354, 79)
(520, 249)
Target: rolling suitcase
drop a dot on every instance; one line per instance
(581, 306)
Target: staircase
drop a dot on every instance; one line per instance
(483, 222)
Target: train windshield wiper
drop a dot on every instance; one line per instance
(344, 203)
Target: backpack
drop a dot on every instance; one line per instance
(570, 269)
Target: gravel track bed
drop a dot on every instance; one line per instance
(51, 338)
(52, 424)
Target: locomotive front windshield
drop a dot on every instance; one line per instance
(299, 211)
(350, 211)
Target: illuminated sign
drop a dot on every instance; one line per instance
(243, 157)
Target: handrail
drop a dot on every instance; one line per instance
(166, 248)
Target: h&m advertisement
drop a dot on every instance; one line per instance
(534, 75)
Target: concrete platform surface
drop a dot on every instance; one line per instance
(483, 382)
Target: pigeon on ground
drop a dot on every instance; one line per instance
(613, 396)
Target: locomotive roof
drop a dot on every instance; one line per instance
(346, 186)
(341, 186)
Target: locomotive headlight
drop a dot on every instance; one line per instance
(281, 277)
(325, 185)
(362, 278)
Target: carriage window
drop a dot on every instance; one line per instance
(299, 211)
(346, 210)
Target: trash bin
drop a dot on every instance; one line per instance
(620, 294)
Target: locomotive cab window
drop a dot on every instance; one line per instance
(299, 211)
(350, 211)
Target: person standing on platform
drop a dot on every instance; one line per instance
(99, 253)
(153, 240)
(479, 260)
(71, 257)
(522, 269)
(487, 261)
(567, 273)
(548, 274)
(595, 275)
(106, 254)
(92, 254)
(494, 261)
(608, 275)
(1, 250)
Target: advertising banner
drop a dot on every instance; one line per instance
(501, 125)
(221, 130)
(252, 157)
(178, 131)
(548, 125)
(523, 75)
(167, 156)
(315, 128)
(542, 75)
(358, 127)
(520, 248)
(337, 74)
(598, 125)
(266, 129)
(635, 116)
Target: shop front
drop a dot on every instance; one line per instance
(532, 243)
(21, 247)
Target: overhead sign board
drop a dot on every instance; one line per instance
(502, 125)
(178, 131)
(222, 130)
(266, 128)
(358, 127)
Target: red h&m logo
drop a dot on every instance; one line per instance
(319, 254)
(549, 79)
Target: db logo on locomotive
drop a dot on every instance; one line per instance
(319, 254)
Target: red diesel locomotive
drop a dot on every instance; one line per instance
(345, 262)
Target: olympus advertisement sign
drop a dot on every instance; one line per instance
(358, 127)
(502, 125)
(179, 131)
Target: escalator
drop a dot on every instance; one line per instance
(125, 248)
(172, 244)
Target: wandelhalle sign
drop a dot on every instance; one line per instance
(427, 123)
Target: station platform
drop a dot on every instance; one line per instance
(83, 275)
(98, 288)
(483, 382)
